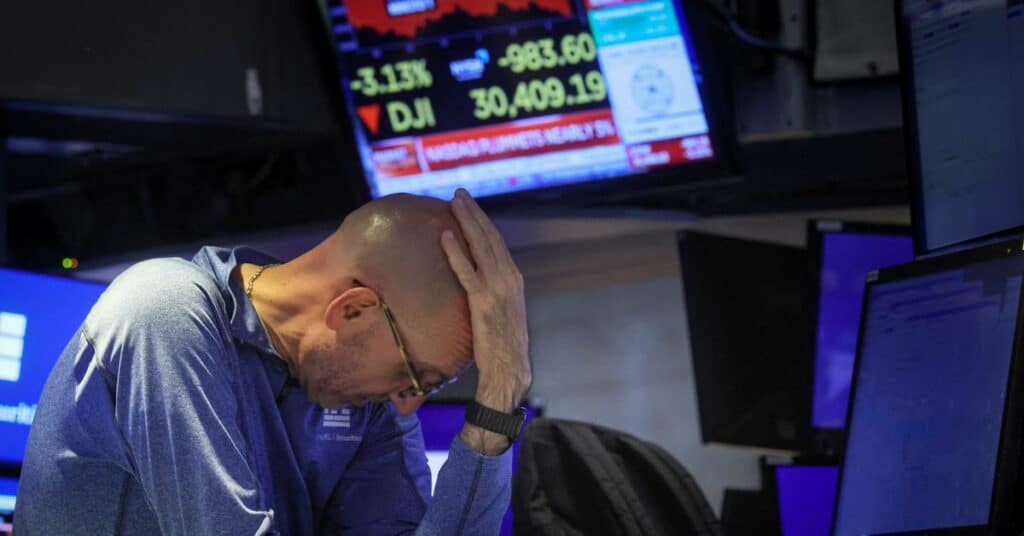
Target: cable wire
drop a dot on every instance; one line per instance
(746, 38)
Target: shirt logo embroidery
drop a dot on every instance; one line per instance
(12, 344)
(335, 426)
(337, 418)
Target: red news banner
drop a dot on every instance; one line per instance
(435, 152)
(411, 156)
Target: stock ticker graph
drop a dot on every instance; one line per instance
(389, 21)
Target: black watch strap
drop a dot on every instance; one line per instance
(508, 425)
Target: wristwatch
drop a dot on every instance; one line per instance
(506, 424)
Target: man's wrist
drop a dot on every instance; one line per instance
(497, 397)
(501, 391)
(483, 441)
(498, 392)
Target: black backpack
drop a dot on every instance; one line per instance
(578, 478)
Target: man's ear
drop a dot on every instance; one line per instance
(352, 305)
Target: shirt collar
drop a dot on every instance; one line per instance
(245, 323)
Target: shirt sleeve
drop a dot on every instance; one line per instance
(386, 489)
(159, 340)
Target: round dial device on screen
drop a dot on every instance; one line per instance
(652, 88)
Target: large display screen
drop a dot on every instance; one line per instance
(964, 68)
(38, 316)
(501, 96)
(846, 257)
(930, 393)
(441, 422)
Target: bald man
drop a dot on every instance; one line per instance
(234, 394)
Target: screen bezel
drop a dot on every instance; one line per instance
(828, 441)
(1006, 499)
(715, 96)
(912, 143)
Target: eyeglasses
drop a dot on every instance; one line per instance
(417, 385)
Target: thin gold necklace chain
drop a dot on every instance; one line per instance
(259, 272)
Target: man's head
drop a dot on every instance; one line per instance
(387, 252)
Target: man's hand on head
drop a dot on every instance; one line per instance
(497, 307)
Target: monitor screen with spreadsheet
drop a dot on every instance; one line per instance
(934, 421)
(962, 64)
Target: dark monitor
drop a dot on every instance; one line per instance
(38, 316)
(746, 303)
(934, 427)
(806, 497)
(441, 422)
(842, 254)
(963, 75)
(506, 97)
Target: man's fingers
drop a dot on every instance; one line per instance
(485, 223)
(496, 242)
(479, 243)
(459, 262)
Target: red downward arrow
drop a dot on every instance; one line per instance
(370, 114)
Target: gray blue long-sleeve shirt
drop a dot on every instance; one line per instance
(170, 412)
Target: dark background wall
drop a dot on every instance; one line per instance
(183, 57)
(199, 163)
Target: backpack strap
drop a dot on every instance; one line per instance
(628, 509)
(679, 483)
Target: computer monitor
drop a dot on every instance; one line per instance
(441, 422)
(934, 426)
(8, 493)
(962, 63)
(38, 316)
(806, 497)
(505, 96)
(842, 254)
(746, 304)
